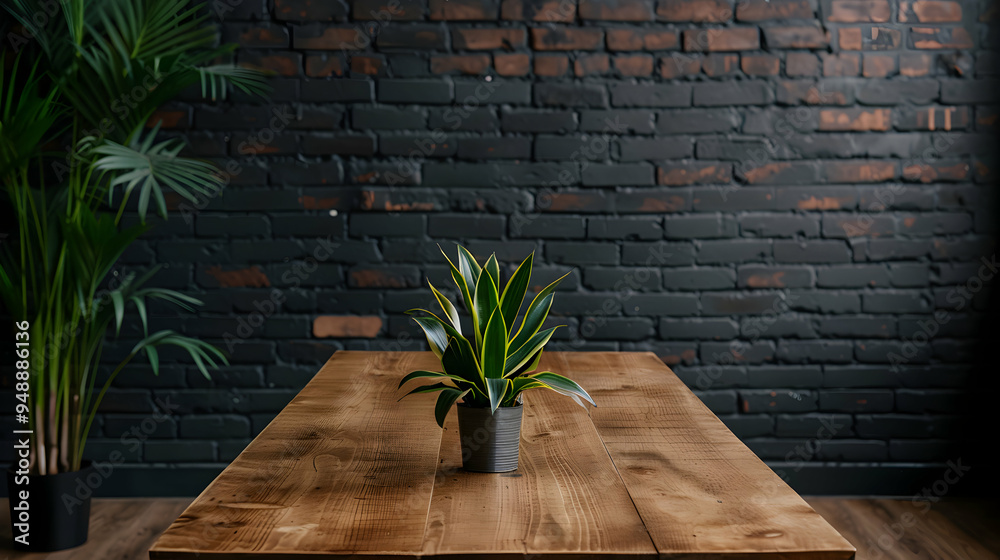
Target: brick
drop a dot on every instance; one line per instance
(464, 10)
(415, 36)
(650, 95)
(639, 65)
(646, 149)
(551, 227)
(340, 90)
(602, 175)
(346, 326)
(764, 10)
(214, 426)
(472, 64)
(462, 225)
(774, 225)
(733, 251)
(620, 279)
(784, 376)
(678, 174)
(915, 64)
(841, 64)
(477, 38)
(801, 64)
(329, 38)
(565, 252)
(779, 173)
(370, 65)
(820, 92)
(878, 65)
(570, 95)
(772, 401)
(512, 64)
(702, 11)
(760, 65)
(538, 10)
(811, 252)
(739, 303)
(856, 401)
(930, 11)
(696, 120)
(796, 37)
(323, 66)
(940, 38)
(884, 92)
(373, 276)
(728, 39)
(717, 65)
(698, 329)
(822, 426)
(306, 10)
(567, 39)
(858, 11)
(857, 327)
(616, 328)
(551, 66)
(759, 276)
(678, 65)
(815, 351)
(494, 148)
(615, 10)
(858, 172)
(701, 278)
(749, 92)
(589, 202)
(657, 254)
(699, 226)
(474, 93)
(855, 119)
(385, 10)
(633, 39)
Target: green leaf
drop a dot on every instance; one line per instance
(526, 353)
(419, 374)
(497, 390)
(561, 384)
(427, 389)
(459, 359)
(536, 314)
(494, 351)
(513, 293)
(463, 287)
(437, 337)
(449, 308)
(444, 403)
(493, 268)
(469, 268)
(486, 301)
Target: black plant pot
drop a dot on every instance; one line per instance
(490, 441)
(54, 513)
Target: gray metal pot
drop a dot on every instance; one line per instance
(490, 442)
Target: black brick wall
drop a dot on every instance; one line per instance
(787, 201)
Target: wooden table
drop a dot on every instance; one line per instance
(346, 470)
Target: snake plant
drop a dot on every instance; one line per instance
(491, 366)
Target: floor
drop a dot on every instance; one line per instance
(881, 529)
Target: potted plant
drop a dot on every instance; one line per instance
(491, 368)
(76, 156)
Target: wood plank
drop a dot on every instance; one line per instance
(565, 498)
(701, 496)
(887, 529)
(343, 469)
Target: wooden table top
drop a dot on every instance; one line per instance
(347, 470)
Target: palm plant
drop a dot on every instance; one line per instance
(492, 369)
(102, 67)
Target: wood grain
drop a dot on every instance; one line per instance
(699, 490)
(565, 497)
(345, 470)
